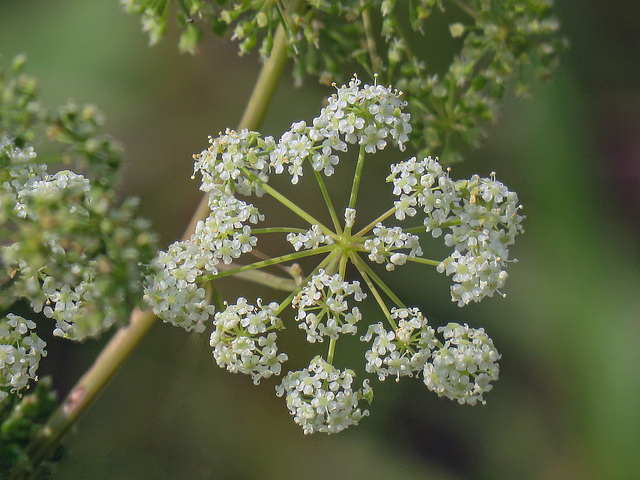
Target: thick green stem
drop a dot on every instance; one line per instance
(127, 338)
(376, 61)
(87, 389)
(266, 83)
(256, 107)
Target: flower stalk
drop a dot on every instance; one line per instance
(480, 213)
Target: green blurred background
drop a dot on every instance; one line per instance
(566, 405)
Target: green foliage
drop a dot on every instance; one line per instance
(501, 42)
(65, 246)
(20, 420)
(70, 132)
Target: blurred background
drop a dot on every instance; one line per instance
(566, 405)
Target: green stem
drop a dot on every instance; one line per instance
(327, 200)
(185, 10)
(266, 84)
(356, 178)
(372, 288)
(287, 203)
(420, 229)
(127, 338)
(86, 390)
(332, 351)
(353, 197)
(365, 269)
(342, 268)
(266, 263)
(334, 265)
(268, 280)
(468, 10)
(425, 261)
(260, 231)
(376, 61)
(381, 218)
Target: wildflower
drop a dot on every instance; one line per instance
(477, 218)
(20, 354)
(321, 398)
(462, 368)
(244, 339)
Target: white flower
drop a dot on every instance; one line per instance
(463, 367)
(323, 310)
(477, 219)
(20, 354)
(222, 164)
(384, 246)
(349, 217)
(321, 398)
(402, 351)
(313, 238)
(244, 339)
(170, 288)
(480, 213)
(325, 160)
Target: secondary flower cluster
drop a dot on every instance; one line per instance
(402, 351)
(20, 353)
(321, 397)
(67, 252)
(384, 246)
(462, 368)
(244, 339)
(364, 116)
(480, 215)
(323, 310)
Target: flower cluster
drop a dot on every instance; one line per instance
(321, 398)
(384, 246)
(20, 353)
(402, 351)
(221, 164)
(244, 339)
(480, 215)
(462, 368)
(170, 289)
(323, 310)
(312, 238)
(364, 116)
(65, 248)
(239, 163)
